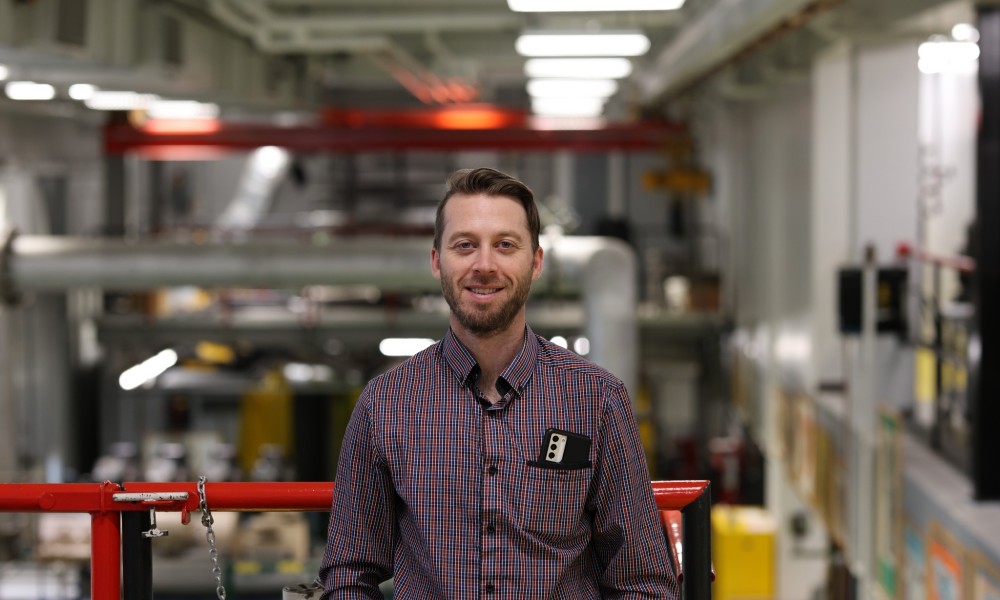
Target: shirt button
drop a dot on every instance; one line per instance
(490, 529)
(490, 588)
(492, 470)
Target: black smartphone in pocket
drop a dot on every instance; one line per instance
(564, 448)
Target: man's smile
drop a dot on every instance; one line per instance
(484, 291)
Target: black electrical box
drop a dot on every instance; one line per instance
(890, 300)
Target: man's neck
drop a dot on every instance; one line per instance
(492, 353)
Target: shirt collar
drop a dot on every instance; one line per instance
(464, 366)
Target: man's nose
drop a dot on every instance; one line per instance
(485, 260)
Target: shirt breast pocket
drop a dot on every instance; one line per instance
(555, 499)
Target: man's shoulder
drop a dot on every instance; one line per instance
(558, 359)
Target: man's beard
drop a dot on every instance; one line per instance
(484, 321)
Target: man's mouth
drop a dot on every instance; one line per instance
(484, 290)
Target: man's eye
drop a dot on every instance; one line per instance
(463, 245)
(506, 244)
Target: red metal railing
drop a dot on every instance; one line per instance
(958, 262)
(105, 502)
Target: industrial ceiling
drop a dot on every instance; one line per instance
(305, 54)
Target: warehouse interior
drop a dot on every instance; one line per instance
(215, 223)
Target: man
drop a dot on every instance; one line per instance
(494, 464)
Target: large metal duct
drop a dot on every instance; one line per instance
(601, 270)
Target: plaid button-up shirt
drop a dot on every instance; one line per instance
(435, 486)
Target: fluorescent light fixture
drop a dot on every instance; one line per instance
(582, 346)
(559, 340)
(568, 88)
(965, 32)
(949, 51)
(592, 5)
(81, 91)
(948, 57)
(4, 72)
(403, 346)
(269, 161)
(29, 90)
(567, 107)
(182, 109)
(582, 44)
(792, 347)
(147, 370)
(598, 68)
(297, 372)
(557, 123)
(117, 100)
(306, 373)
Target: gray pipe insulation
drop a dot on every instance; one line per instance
(601, 270)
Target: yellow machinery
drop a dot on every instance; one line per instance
(743, 553)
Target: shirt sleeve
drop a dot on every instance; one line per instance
(628, 541)
(359, 539)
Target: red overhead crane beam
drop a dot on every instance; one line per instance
(470, 128)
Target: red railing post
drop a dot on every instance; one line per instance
(105, 547)
(105, 509)
(693, 499)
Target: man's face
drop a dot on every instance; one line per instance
(486, 262)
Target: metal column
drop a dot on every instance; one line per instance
(985, 408)
(697, 533)
(137, 557)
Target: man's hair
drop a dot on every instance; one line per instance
(488, 182)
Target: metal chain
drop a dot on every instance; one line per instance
(213, 551)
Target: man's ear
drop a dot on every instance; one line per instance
(435, 264)
(537, 262)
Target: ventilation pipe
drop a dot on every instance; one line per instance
(602, 271)
(265, 170)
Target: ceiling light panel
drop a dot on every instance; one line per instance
(567, 88)
(582, 44)
(592, 5)
(182, 109)
(81, 91)
(598, 68)
(567, 107)
(119, 100)
(945, 56)
(29, 90)
(403, 346)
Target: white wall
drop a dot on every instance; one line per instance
(772, 214)
(832, 200)
(759, 153)
(886, 148)
(804, 180)
(949, 120)
(865, 191)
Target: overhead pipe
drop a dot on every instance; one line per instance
(410, 23)
(249, 18)
(56, 263)
(721, 35)
(359, 35)
(269, 41)
(602, 271)
(264, 171)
